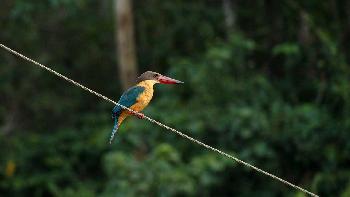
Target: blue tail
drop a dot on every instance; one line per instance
(115, 129)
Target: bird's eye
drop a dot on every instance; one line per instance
(156, 75)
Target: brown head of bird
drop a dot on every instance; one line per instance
(158, 78)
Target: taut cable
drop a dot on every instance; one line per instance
(159, 123)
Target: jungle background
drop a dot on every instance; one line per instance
(265, 80)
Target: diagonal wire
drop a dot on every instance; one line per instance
(161, 124)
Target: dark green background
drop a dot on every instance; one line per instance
(260, 91)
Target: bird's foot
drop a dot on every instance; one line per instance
(139, 115)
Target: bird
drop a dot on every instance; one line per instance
(138, 97)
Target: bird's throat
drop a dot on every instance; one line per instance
(147, 83)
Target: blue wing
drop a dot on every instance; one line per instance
(128, 98)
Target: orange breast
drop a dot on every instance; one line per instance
(142, 101)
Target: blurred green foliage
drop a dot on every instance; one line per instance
(259, 92)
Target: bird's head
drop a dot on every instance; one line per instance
(157, 78)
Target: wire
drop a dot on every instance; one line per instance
(160, 124)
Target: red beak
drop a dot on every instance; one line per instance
(167, 80)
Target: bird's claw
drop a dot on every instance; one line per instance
(139, 115)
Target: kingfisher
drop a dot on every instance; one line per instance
(138, 97)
